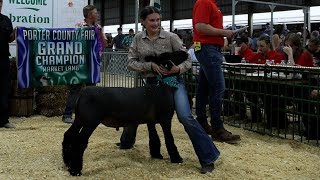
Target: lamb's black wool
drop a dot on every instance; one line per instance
(120, 107)
(166, 59)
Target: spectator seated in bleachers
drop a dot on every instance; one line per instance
(275, 117)
(298, 56)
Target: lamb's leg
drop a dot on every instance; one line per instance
(154, 142)
(80, 145)
(171, 147)
(69, 140)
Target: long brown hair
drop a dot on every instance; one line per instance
(295, 40)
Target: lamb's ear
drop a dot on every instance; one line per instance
(170, 62)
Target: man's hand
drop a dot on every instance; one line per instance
(230, 33)
(13, 35)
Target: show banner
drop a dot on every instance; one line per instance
(57, 56)
(29, 13)
(44, 13)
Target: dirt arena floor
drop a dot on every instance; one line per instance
(33, 151)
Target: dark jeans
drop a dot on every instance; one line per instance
(4, 89)
(72, 98)
(310, 121)
(309, 109)
(206, 151)
(275, 106)
(211, 83)
(250, 89)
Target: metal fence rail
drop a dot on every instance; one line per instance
(281, 101)
(114, 71)
(277, 100)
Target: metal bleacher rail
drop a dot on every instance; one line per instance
(281, 101)
(277, 100)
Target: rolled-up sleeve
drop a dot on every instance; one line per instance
(134, 63)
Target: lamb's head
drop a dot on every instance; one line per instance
(176, 57)
(152, 58)
(167, 59)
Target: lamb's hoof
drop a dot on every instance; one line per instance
(123, 147)
(75, 173)
(177, 159)
(157, 156)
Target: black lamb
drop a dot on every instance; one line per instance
(119, 107)
(167, 59)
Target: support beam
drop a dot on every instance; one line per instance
(271, 23)
(250, 19)
(306, 24)
(102, 13)
(307, 18)
(171, 18)
(121, 12)
(136, 16)
(234, 3)
(137, 81)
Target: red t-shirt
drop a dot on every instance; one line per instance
(305, 59)
(259, 58)
(207, 11)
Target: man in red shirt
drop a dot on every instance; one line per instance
(208, 42)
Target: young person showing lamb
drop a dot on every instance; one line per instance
(117, 107)
(155, 41)
(121, 107)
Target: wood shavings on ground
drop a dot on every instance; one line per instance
(33, 151)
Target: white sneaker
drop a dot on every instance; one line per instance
(9, 125)
(68, 120)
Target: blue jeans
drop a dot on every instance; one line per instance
(73, 95)
(206, 151)
(71, 100)
(211, 83)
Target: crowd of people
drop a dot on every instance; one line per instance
(283, 47)
(120, 42)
